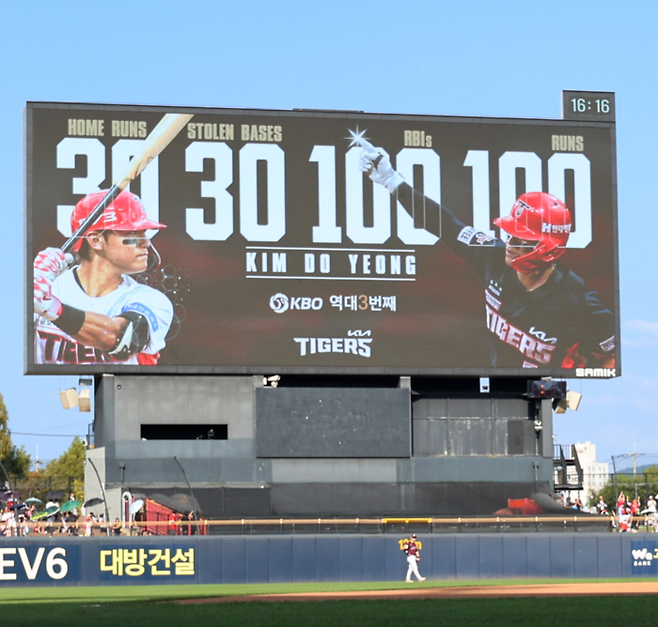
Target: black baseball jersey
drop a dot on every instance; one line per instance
(560, 324)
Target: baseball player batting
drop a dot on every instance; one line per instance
(540, 313)
(90, 310)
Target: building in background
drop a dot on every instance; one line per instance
(595, 474)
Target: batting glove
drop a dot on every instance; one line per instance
(48, 265)
(378, 166)
(45, 304)
(51, 262)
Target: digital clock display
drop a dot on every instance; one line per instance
(588, 105)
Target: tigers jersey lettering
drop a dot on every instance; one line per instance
(524, 343)
(53, 346)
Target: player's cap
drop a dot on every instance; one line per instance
(542, 218)
(413, 535)
(125, 213)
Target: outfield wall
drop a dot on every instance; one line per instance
(59, 561)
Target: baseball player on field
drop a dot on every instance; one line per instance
(540, 313)
(412, 552)
(90, 310)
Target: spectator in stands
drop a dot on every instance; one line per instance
(72, 523)
(89, 522)
(140, 520)
(625, 518)
(53, 518)
(72, 498)
(635, 514)
(621, 503)
(23, 526)
(172, 527)
(652, 514)
(116, 527)
(601, 506)
(5, 526)
(11, 522)
(191, 527)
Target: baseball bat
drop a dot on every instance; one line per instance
(158, 139)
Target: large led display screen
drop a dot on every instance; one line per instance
(311, 242)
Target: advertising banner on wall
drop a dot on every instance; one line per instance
(132, 561)
(263, 242)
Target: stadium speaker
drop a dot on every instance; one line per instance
(84, 400)
(547, 389)
(69, 398)
(560, 406)
(573, 399)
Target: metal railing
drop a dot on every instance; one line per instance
(298, 526)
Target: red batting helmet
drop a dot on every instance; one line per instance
(124, 213)
(541, 218)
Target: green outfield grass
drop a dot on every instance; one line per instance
(568, 612)
(148, 606)
(99, 594)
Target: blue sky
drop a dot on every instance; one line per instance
(507, 58)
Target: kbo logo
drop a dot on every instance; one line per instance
(280, 303)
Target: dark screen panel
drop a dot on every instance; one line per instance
(515, 437)
(184, 432)
(325, 422)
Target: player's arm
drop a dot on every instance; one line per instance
(600, 320)
(121, 335)
(471, 245)
(440, 221)
(377, 164)
(580, 356)
(141, 327)
(596, 347)
(605, 361)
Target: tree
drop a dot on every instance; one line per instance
(15, 459)
(68, 470)
(641, 485)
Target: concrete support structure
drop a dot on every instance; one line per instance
(421, 447)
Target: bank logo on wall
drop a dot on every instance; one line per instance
(644, 557)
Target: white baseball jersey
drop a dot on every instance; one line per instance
(53, 346)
